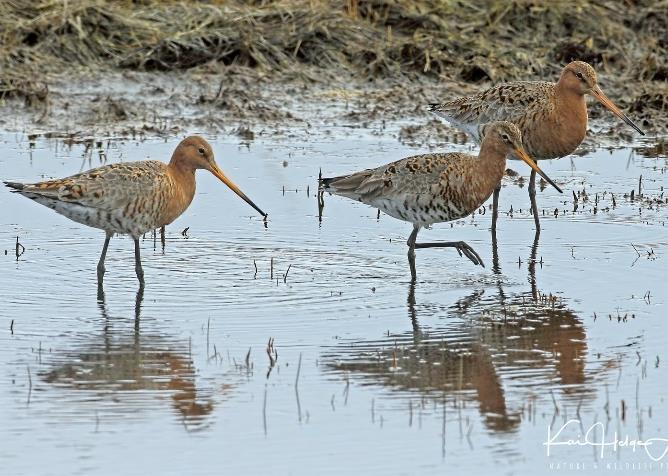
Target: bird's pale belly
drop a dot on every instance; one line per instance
(116, 221)
(420, 212)
(112, 221)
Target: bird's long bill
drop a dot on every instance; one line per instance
(603, 99)
(219, 173)
(523, 155)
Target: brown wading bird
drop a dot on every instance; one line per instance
(436, 188)
(551, 116)
(130, 198)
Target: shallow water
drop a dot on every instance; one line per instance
(464, 371)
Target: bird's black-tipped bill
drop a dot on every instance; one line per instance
(223, 178)
(603, 99)
(523, 155)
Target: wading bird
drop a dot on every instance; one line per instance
(436, 188)
(130, 198)
(551, 116)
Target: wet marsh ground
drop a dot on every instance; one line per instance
(464, 370)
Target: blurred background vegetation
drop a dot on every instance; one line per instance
(364, 40)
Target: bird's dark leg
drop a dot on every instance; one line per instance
(495, 207)
(461, 247)
(138, 269)
(496, 266)
(138, 300)
(532, 196)
(411, 251)
(100, 264)
(532, 267)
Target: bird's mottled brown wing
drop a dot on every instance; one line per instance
(503, 102)
(109, 187)
(411, 176)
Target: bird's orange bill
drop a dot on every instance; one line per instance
(523, 155)
(603, 99)
(218, 173)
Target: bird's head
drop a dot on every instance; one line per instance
(194, 153)
(506, 137)
(580, 77)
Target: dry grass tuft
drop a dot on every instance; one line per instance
(372, 39)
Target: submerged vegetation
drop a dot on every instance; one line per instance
(435, 41)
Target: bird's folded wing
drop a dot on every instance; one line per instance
(410, 176)
(503, 102)
(107, 188)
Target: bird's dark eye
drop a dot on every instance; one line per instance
(505, 138)
(201, 150)
(579, 75)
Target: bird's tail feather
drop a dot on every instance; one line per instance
(355, 186)
(441, 110)
(326, 182)
(344, 183)
(15, 186)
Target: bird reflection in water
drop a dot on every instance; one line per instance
(513, 349)
(134, 369)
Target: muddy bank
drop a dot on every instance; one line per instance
(159, 104)
(260, 67)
